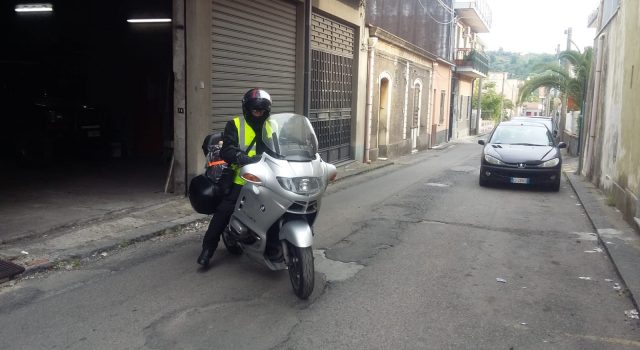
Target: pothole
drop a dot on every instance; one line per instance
(334, 270)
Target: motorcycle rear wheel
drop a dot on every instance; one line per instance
(231, 244)
(301, 270)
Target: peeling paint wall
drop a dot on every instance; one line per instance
(628, 165)
(616, 158)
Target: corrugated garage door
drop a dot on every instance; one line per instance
(332, 46)
(254, 45)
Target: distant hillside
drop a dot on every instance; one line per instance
(519, 66)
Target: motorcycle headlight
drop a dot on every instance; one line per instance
(301, 185)
(492, 160)
(550, 163)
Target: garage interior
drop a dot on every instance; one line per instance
(87, 101)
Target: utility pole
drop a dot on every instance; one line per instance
(504, 75)
(565, 100)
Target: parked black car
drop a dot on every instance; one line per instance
(521, 153)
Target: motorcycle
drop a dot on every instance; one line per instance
(275, 211)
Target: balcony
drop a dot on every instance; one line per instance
(477, 14)
(472, 63)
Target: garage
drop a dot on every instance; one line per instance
(86, 93)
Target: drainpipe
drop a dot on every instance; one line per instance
(371, 43)
(591, 136)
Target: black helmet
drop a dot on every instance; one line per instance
(256, 99)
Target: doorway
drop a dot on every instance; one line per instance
(383, 117)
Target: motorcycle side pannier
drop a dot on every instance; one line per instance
(207, 190)
(204, 194)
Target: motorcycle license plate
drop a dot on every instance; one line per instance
(520, 180)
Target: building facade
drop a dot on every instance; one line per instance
(409, 76)
(305, 54)
(472, 17)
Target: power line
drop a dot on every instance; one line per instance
(453, 18)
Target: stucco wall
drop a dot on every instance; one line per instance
(462, 124)
(441, 81)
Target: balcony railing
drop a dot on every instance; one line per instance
(473, 62)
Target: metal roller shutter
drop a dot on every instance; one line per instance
(254, 45)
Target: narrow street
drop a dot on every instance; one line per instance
(411, 256)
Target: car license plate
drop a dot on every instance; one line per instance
(519, 180)
(93, 133)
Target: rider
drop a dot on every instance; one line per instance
(242, 145)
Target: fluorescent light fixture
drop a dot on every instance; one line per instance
(34, 8)
(149, 20)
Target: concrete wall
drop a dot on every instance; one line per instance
(612, 156)
(198, 84)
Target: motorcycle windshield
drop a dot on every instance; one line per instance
(290, 136)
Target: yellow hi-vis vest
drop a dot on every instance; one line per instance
(245, 136)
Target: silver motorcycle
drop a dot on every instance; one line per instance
(274, 215)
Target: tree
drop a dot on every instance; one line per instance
(491, 102)
(556, 77)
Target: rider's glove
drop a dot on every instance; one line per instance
(244, 159)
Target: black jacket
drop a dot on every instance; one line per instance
(231, 152)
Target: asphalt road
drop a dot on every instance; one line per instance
(407, 257)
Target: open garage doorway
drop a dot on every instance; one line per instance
(86, 117)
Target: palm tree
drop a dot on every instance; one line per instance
(555, 76)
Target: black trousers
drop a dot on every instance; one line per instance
(221, 218)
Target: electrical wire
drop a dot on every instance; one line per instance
(453, 18)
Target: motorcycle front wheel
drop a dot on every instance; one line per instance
(301, 270)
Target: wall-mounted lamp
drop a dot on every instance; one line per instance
(34, 8)
(149, 20)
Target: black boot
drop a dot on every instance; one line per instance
(205, 256)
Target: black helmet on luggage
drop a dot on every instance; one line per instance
(256, 99)
(204, 194)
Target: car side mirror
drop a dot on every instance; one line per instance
(481, 142)
(562, 145)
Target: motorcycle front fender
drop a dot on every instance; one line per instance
(298, 232)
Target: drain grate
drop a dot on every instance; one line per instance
(9, 269)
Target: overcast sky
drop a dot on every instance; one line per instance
(538, 26)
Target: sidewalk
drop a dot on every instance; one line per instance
(619, 239)
(83, 239)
